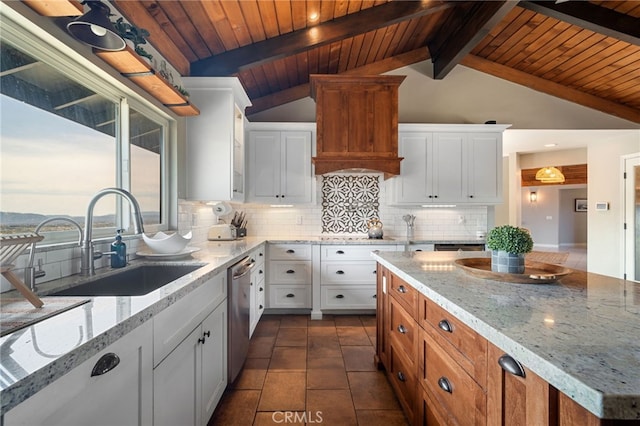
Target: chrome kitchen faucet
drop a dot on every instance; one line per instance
(88, 256)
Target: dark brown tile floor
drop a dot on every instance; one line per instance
(303, 371)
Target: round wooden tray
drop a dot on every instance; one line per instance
(534, 272)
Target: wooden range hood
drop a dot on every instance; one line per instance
(357, 123)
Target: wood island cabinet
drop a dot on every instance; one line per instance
(445, 373)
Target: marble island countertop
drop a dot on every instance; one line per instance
(581, 334)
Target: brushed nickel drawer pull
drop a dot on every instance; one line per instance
(339, 296)
(340, 272)
(510, 365)
(291, 251)
(290, 271)
(445, 326)
(401, 376)
(339, 251)
(291, 295)
(402, 329)
(402, 289)
(445, 385)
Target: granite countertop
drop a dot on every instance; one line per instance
(579, 334)
(35, 356)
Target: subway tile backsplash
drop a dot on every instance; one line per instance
(307, 220)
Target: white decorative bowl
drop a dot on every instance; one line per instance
(167, 244)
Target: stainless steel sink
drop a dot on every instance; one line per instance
(134, 281)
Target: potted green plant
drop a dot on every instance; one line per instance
(508, 245)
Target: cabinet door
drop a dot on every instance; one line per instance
(265, 166)
(295, 184)
(176, 384)
(214, 360)
(210, 146)
(484, 168)
(382, 315)
(122, 396)
(445, 179)
(517, 399)
(411, 185)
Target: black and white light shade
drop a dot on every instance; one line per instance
(95, 29)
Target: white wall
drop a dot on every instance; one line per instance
(605, 237)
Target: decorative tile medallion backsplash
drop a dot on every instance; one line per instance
(348, 202)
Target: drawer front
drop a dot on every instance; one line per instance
(450, 386)
(358, 272)
(352, 252)
(403, 329)
(289, 251)
(404, 294)
(176, 322)
(293, 272)
(348, 297)
(289, 296)
(258, 255)
(402, 376)
(470, 348)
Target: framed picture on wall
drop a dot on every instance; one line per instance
(581, 205)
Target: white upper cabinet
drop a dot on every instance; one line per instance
(458, 164)
(215, 139)
(280, 166)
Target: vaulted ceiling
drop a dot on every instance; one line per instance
(584, 52)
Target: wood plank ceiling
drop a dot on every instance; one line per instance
(584, 52)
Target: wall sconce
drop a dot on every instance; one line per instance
(533, 196)
(95, 29)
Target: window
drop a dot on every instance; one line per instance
(65, 135)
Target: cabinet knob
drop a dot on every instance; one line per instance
(290, 271)
(375, 272)
(340, 272)
(291, 251)
(277, 196)
(261, 289)
(291, 295)
(510, 365)
(445, 326)
(445, 385)
(435, 196)
(430, 196)
(260, 307)
(339, 251)
(402, 289)
(260, 254)
(339, 296)
(106, 363)
(260, 271)
(470, 196)
(401, 376)
(402, 329)
(374, 296)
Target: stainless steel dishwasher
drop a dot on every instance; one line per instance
(239, 287)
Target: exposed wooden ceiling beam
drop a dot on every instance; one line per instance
(465, 30)
(234, 61)
(303, 90)
(590, 16)
(552, 88)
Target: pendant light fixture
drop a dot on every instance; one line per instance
(95, 29)
(550, 175)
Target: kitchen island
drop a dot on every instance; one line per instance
(580, 335)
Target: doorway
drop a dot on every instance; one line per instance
(632, 217)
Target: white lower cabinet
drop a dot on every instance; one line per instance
(189, 381)
(348, 276)
(289, 276)
(258, 289)
(121, 396)
(188, 384)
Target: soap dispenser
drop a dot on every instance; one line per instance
(119, 252)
